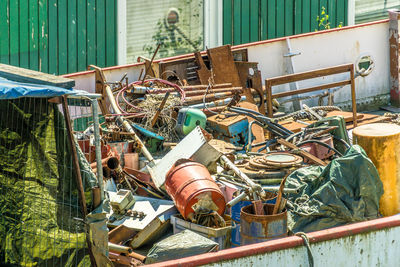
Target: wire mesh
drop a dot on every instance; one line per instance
(41, 223)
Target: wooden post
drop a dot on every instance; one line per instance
(353, 96)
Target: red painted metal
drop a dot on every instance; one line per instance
(285, 243)
(188, 182)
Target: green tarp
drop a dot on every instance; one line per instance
(39, 210)
(347, 190)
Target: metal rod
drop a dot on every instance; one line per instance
(127, 126)
(151, 62)
(97, 144)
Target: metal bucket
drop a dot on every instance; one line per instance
(235, 216)
(189, 183)
(260, 228)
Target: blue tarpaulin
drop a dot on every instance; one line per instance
(12, 90)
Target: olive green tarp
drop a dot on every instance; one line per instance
(345, 191)
(39, 210)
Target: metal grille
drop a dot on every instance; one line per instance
(41, 223)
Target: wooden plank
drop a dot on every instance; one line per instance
(306, 16)
(280, 18)
(4, 33)
(91, 32)
(33, 35)
(227, 21)
(62, 37)
(309, 74)
(100, 33)
(82, 38)
(30, 76)
(271, 17)
(289, 17)
(110, 33)
(311, 89)
(72, 37)
(23, 34)
(254, 20)
(298, 16)
(223, 66)
(263, 20)
(314, 12)
(43, 36)
(53, 39)
(14, 33)
(237, 18)
(302, 152)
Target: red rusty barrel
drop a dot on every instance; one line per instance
(189, 183)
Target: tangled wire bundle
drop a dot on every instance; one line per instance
(166, 123)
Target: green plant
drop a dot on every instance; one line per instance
(323, 21)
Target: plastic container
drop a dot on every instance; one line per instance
(189, 183)
(220, 235)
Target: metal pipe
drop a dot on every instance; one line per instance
(118, 248)
(128, 127)
(218, 103)
(97, 144)
(256, 188)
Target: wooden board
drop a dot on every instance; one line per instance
(30, 76)
(223, 65)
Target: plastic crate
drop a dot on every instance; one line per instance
(220, 235)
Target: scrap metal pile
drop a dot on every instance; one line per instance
(190, 154)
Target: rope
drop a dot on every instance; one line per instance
(307, 244)
(324, 108)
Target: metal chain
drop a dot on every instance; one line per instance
(307, 244)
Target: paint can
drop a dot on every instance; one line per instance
(260, 228)
(235, 218)
(190, 184)
(381, 142)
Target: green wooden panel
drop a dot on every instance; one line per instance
(72, 37)
(298, 16)
(315, 11)
(110, 32)
(280, 18)
(271, 19)
(4, 33)
(322, 3)
(62, 37)
(227, 21)
(23, 34)
(14, 32)
(91, 32)
(33, 35)
(340, 11)
(332, 13)
(237, 22)
(82, 39)
(289, 17)
(263, 19)
(101, 29)
(254, 20)
(245, 27)
(53, 39)
(43, 36)
(306, 16)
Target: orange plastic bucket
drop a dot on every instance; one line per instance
(189, 183)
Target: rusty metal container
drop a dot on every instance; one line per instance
(189, 183)
(260, 228)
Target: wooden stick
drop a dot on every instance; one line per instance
(302, 152)
(153, 121)
(78, 177)
(279, 197)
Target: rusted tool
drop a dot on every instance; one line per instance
(153, 121)
(277, 206)
(151, 62)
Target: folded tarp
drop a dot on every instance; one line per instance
(347, 190)
(12, 90)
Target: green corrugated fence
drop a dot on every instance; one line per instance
(254, 20)
(58, 36)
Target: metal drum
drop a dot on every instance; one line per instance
(189, 183)
(260, 228)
